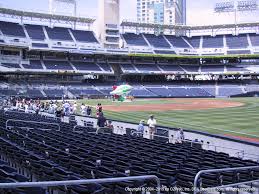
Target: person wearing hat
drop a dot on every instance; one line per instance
(140, 129)
(152, 126)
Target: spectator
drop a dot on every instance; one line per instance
(179, 136)
(74, 108)
(66, 108)
(89, 111)
(140, 129)
(100, 109)
(110, 125)
(83, 109)
(152, 126)
(101, 121)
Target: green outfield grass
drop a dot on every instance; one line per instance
(238, 121)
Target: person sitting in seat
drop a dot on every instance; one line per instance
(110, 125)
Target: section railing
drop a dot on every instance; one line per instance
(198, 180)
(81, 182)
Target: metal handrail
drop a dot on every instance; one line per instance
(81, 182)
(33, 122)
(195, 185)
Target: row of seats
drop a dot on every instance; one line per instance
(36, 32)
(61, 65)
(146, 91)
(182, 68)
(64, 155)
(162, 41)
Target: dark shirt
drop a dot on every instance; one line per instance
(89, 111)
(58, 113)
(101, 121)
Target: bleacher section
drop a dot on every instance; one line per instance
(235, 42)
(127, 67)
(194, 41)
(11, 65)
(171, 68)
(142, 92)
(33, 64)
(147, 67)
(34, 93)
(134, 39)
(64, 155)
(54, 93)
(85, 92)
(157, 41)
(105, 67)
(35, 32)
(177, 42)
(84, 36)
(58, 65)
(86, 66)
(63, 38)
(254, 39)
(212, 68)
(58, 33)
(161, 92)
(213, 42)
(236, 68)
(12, 29)
(230, 91)
(190, 68)
(8, 92)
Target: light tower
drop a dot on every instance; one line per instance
(63, 7)
(249, 6)
(109, 23)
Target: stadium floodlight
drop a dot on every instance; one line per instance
(240, 6)
(247, 5)
(224, 7)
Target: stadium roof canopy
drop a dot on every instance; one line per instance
(27, 15)
(186, 27)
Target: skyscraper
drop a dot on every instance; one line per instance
(162, 11)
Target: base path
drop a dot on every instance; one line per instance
(176, 104)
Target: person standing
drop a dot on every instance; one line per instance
(83, 109)
(152, 126)
(101, 121)
(180, 136)
(140, 129)
(89, 111)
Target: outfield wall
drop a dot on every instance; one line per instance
(218, 143)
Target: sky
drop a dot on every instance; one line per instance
(199, 12)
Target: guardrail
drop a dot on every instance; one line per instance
(81, 182)
(32, 122)
(197, 189)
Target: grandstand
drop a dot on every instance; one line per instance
(48, 57)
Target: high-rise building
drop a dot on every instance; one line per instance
(162, 11)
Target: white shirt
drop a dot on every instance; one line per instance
(151, 123)
(83, 109)
(26, 107)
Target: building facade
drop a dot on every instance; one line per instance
(109, 23)
(162, 11)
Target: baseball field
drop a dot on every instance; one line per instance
(236, 117)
